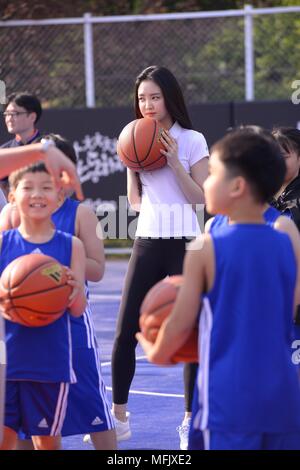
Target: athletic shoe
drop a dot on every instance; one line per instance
(123, 430)
(183, 431)
(87, 439)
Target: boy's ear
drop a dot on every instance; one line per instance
(11, 197)
(238, 186)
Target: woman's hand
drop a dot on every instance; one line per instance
(171, 152)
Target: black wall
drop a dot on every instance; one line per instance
(94, 133)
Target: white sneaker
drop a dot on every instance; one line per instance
(183, 431)
(87, 439)
(123, 430)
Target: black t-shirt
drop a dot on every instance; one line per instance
(17, 143)
(289, 201)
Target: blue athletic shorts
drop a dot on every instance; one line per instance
(214, 440)
(88, 407)
(36, 408)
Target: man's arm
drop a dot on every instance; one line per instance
(58, 165)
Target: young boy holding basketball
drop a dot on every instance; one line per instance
(39, 360)
(88, 409)
(246, 275)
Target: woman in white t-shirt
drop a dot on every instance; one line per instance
(166, 200)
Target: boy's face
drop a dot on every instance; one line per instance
(217, 185)
(35, 196)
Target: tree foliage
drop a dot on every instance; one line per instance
(36, 9)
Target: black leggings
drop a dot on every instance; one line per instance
(151, 261)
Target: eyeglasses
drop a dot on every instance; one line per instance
(14, 113)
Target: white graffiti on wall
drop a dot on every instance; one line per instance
(97, 157)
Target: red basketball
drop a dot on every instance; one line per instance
(139, 145)
(156, 307)
(34, 290)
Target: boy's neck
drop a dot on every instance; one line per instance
(37, 231)
(247, 213)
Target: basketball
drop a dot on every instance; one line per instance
(34, 290)
(139, 145)
(156, 307)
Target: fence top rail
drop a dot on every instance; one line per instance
(87, 18)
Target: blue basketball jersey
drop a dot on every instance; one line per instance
(247, 381)
(270, 216)
(83, 332)
(41, 354)
(64, 217)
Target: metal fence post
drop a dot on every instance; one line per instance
(249, 54)
(89, 61)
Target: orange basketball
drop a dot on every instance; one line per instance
(34, 290)
(139, 145)
(156, 307)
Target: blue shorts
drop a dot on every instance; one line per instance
(88, 407)
(215, 440)
(36, 408)
(219, 440)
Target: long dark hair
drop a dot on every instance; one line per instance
(288, 138)
(171, 91)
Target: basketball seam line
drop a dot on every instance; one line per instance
(35, 269)
(133, 140)
(31, 293)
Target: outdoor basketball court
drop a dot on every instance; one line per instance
(156, 400)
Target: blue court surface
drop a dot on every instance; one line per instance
(156, 399)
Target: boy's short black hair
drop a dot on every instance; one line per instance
(16, 176)
(256, 156)
(63, 145)
(27, 101)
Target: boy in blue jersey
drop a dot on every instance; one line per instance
(88, 409)
(38, 376)
(245, 275)
(58, 165)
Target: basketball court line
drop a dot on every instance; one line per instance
(141, 392)
(156, 394)
(94, 297)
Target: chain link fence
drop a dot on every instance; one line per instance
(207, 53)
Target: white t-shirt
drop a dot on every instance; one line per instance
(165, 211)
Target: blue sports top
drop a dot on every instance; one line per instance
(82, 328)
(247, 381)
(42, 354)
(270, 215)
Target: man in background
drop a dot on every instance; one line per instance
(21, 113)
